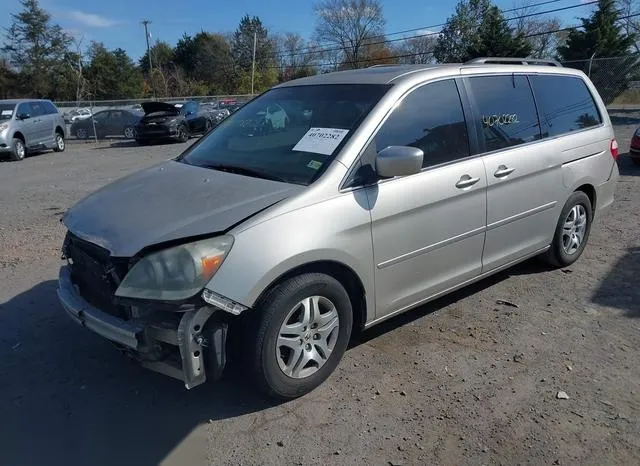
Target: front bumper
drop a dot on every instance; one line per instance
(156, 131)
(150, 340)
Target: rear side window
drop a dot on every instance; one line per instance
(430, 118)
(565, 104)
(506, 111)
(49, 107)
(37, 109)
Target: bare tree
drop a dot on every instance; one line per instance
(537, 29)
(630, 25)
(296, 56)
(348, 24)
(418, 49)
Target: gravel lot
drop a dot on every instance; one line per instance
(463, 380)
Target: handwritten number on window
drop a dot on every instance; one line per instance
(500, 120)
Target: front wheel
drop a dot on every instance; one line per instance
(302, 330)
(82, 133)
(19, 149)
(572, 231)
(183, 134)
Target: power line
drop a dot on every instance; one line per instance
(364, 60)
(313, 49)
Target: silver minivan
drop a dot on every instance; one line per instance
(378, 190)
(30, 125)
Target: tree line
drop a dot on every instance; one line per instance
(39, 59)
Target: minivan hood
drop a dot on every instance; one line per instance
(169, 202)
(153, 107)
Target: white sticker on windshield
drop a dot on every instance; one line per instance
(7, 112)
(321, 140)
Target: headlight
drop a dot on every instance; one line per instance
(3, 126)
(176, 273)
(637, 133)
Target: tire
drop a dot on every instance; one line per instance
(60, 144)
(82, 133)
(207, 126)
(564, 251)
(284, 371)
(183, 134)
(19, 150)
(129, 132)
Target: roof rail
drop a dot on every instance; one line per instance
(510, 60)
(383, 64)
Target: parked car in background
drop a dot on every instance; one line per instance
(634, 150)
(77, 115)
(107, 123)
(30, 125)
(405, 184)
(177, 120)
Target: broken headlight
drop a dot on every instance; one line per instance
(176, 273)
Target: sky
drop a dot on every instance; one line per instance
(117, 23)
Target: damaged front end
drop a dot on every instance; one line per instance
(184, 339)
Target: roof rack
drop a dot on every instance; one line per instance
(510, 60)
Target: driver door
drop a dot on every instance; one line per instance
(428, 228)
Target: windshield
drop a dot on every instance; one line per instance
(289, 134)
(6, 111)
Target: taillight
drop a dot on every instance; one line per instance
(614, 149)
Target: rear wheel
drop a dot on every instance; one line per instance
(19, 149)
(572, 231)
(207, 126)
(129, 132)
(59, 143)
(302, 329)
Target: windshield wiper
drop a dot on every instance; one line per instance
(244, 171)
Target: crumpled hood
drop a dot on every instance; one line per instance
(169, 202)
(153, 107)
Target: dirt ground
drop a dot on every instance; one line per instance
(463, 380)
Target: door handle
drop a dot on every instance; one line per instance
(503, 171)
(466, 181)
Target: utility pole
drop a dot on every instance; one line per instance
(253, 63)
(146, 23)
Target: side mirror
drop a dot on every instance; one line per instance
(399, 161)
(24, 116)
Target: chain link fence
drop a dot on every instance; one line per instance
(616, 78)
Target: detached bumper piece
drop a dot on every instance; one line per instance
(175, 346)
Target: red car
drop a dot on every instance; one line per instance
(634, 150)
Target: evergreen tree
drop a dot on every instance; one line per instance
(496, 39)
(460, 30)
(601, 36)
(34, 46)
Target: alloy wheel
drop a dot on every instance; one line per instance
(307, 337)
(574, 229)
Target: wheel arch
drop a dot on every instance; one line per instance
(590, 191)
(19, 135)
(342, 273)
(59, 130)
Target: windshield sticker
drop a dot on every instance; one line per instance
(314, 164)
(500, 120)
(7, 112)
(321, 140)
